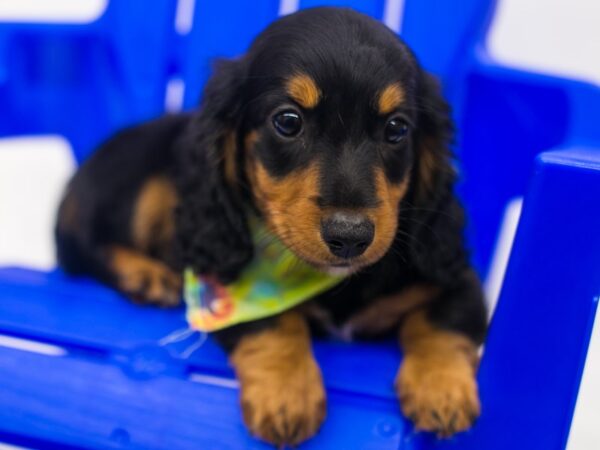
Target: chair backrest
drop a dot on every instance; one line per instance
(83, 81)
(443, 34)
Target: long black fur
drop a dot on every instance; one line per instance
(212, 233)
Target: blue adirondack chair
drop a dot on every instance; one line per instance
(102, 379)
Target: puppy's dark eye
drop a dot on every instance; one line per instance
(287, 123)
(396, 130)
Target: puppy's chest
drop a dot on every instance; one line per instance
(365, 305)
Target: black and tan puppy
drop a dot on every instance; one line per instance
(329, 129)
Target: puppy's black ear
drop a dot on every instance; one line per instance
(431, 211)
(213, 236)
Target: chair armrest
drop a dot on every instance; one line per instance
(537, 344)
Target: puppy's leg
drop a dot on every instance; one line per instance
(141, 265)
(436, 381)
(145, 274)
(282, 393)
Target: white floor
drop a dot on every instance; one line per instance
(554, 36)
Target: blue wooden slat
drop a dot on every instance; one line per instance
(444, 34)
(221, 30)
(536, 111)
(83, 401)
(53, 306)
(83, 314)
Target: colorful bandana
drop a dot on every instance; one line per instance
(274, 281)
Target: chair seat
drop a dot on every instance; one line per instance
(101, 379)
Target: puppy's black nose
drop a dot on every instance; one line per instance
(347, 235)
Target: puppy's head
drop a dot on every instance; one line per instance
(329, 123)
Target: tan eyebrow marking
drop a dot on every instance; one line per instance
(304, 90)
(390, 98)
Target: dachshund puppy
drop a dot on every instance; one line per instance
(330, 131)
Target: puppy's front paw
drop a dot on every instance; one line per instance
(284, 407)
(438, 394)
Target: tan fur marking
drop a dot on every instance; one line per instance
(385, 313)
(304, 90)
(282, 394)
(390, 98)
(68, 214)
(290, 209)
(143, 279)
(427, 169)
(230, 159)
(432, 164)
(436, 381)
(429, 166)
(250, 140)
(152, 226)
(385, 217)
